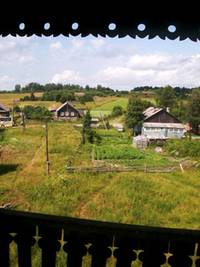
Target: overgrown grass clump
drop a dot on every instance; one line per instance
(113, 137)
(184, 148)
(118, 152)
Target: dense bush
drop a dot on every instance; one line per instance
(59, 96)
(17, 109)
(117, 111)
(184, 148)
(86, 98)
(36, 113)
(32, 97)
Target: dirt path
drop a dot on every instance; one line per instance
(34, 158)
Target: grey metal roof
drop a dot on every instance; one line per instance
(4, 108)
(151, 111)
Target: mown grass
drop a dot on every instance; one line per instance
(170, 200)
(8, 98)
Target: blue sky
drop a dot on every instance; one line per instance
(118, 63)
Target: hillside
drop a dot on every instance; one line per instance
(164, 199)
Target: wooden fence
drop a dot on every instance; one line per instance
(167, 169)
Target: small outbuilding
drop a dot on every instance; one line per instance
(140, 141)
(5, 117)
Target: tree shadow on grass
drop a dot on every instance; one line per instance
(5, 168)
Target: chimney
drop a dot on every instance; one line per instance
(167, 109)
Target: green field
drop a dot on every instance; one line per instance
(106, 108)
(163, 199)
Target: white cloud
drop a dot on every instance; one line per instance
(152, 61)
(16, 50)
(152, 69)
(7, 46)
(55, 46)
(5, 78)
(26, 59)
(118, 63)
(6, 81)
(97, 43)
(67, 76)
(77, 43)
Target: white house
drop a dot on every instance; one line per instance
(160, 124)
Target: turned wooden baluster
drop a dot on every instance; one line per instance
(124, 252)
(5, 240)
(75, 249)
(24, 243)
(181, 251)
(50, 245)
(99, 250)
(153, 254)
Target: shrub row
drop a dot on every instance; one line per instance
(184, 148)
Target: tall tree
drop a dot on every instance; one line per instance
(194, 110)
(134, 115)
(17, 88)
(86, 130)
(166, 97)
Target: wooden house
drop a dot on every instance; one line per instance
(66, 112)
(5, 117)
(160, 124)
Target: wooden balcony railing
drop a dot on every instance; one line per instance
(126, 245)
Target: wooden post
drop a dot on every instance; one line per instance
(145, 167)
(190, 135)
(181, 167)
(47, 149)
(92, 154)
(23, 121)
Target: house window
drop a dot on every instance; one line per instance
(72, 113)
(62, 114)
(66, 113)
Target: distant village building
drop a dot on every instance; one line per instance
(79, 94)
(66, 112)
(5, 117)
(160, 124)
(118, 126)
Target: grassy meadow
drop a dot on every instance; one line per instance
(106, 108)
(164, 199)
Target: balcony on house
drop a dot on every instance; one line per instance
(123, 245)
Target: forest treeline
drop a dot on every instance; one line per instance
(99, 90)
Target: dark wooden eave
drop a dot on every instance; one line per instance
(161, 111)
(95, 17)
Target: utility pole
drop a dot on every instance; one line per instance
(47, 149)
(13, 105)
